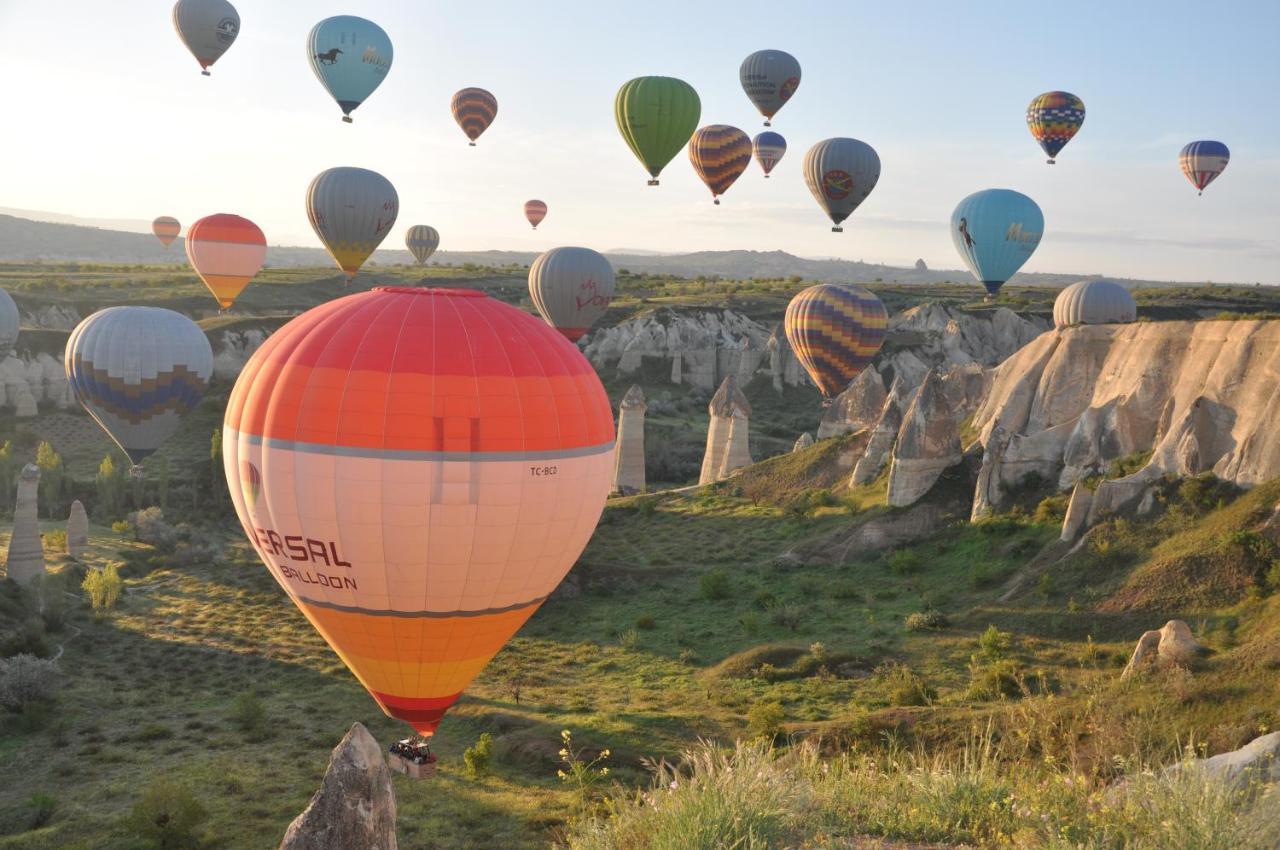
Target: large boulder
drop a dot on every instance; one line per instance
(856, 408)
(1170, 645)
(356, 804)
(1256, 762)
(928, 444)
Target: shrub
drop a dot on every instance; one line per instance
(646, 622)
(993, 644)
(103, 586)
(40, 809)
(764, 600)
(167, 816)
(688, 656)
(999, 679)
(55, 541)
(789, 615)
(27, 681)
(250, 715)
(1052, 510)
(765, 719)
(150, 527)
(904, 687)
(714, 585)
(479, 757)
(921, 621)
(904, 562)
(629, 639)
(646, 506)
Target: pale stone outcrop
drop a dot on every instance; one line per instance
(77, 531)
(856, 408)
(1077, 512)
(24, 406)
(1257, 762)
(966, 385)
(727, 432)
(26, 549)
(1172, 644)
(883, 434)
(928, 444)
(356, 803)
(628, 454)
(803, 442)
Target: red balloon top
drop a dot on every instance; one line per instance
(421, 369)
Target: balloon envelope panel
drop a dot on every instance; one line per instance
(996, 231)
(418, 469)
(350, 57)
(656, 116)
(138, 371)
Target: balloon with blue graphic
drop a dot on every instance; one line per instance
(350, 57)
(996, 231)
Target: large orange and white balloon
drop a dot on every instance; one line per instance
(227, 251)
(571, 287)
(418, 468)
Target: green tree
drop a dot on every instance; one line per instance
(103, 586)
(51, 478)
(8, 474)
(160, 467)
(167, 816)
(110, 484)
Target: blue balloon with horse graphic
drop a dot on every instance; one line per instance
(350, 57)
(996, 231)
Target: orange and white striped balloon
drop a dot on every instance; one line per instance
(227, 251)
(535, 211)
(166, 228)
(418, 468)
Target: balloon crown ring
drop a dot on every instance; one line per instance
(450, 292)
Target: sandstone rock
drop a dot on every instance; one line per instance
(26, 549)
(804, 441)
(24, 406)
(1077, 512)
(883, 435)
(1172, 644)
(856, 408)
(232, 350)
(966, 385)
(628, 457)
(727, 432)
(1256, 762)
(356, 804)
(928, 443)
(77, 531)
(990, 487)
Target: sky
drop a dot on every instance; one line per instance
(107, 116)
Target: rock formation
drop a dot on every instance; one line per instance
(77, 531)
(727, 433)
(928, 443)
(1077, 512)
(356, 803)
(804, 441)
(1256, 762)
(628, 453)
(1172, 644)
(921, 266)
(883, 434)
(26, 549)
(856, 408)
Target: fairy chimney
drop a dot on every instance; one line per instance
(727, 433)
(628, 452)
(26, 550)
(803, 442)
(77, 531)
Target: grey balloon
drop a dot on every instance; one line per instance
(571, 287)
(9, 320)
(841, 173)
(1094, 302)
(207, 28)
(769, 77)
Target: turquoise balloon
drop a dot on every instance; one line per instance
(996, 231)
(350, 57)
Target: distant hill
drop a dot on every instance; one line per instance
(25, 240)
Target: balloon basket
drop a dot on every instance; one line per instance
(767, 124)
(837, 229)
(346, 119)
(1052, 161)
(715, 201)
(652, 183)
(471, 144)
(412, 758)
(138, 471)
(766, 177)
(205, 74)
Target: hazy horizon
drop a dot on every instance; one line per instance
(134, 133)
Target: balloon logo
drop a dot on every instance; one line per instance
(788, 88)
(207, 28)
(837, 185)
(250, 482)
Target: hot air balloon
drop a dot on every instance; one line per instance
(719, 154)
(835, 330)
(996, 231)
(769, 77)
(656, 116)
(166, 228)
(1054, 118)
(138, 371)
(474, 110)
(418, 468)
(571, 287)
(207, 28)
(9, 322)
(769, 148)
(1094, 302)
(350, 57)
(1203, 161)
(422, 241)
(840, 174)
(226, 251)
(352, 210)
(535, 211)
